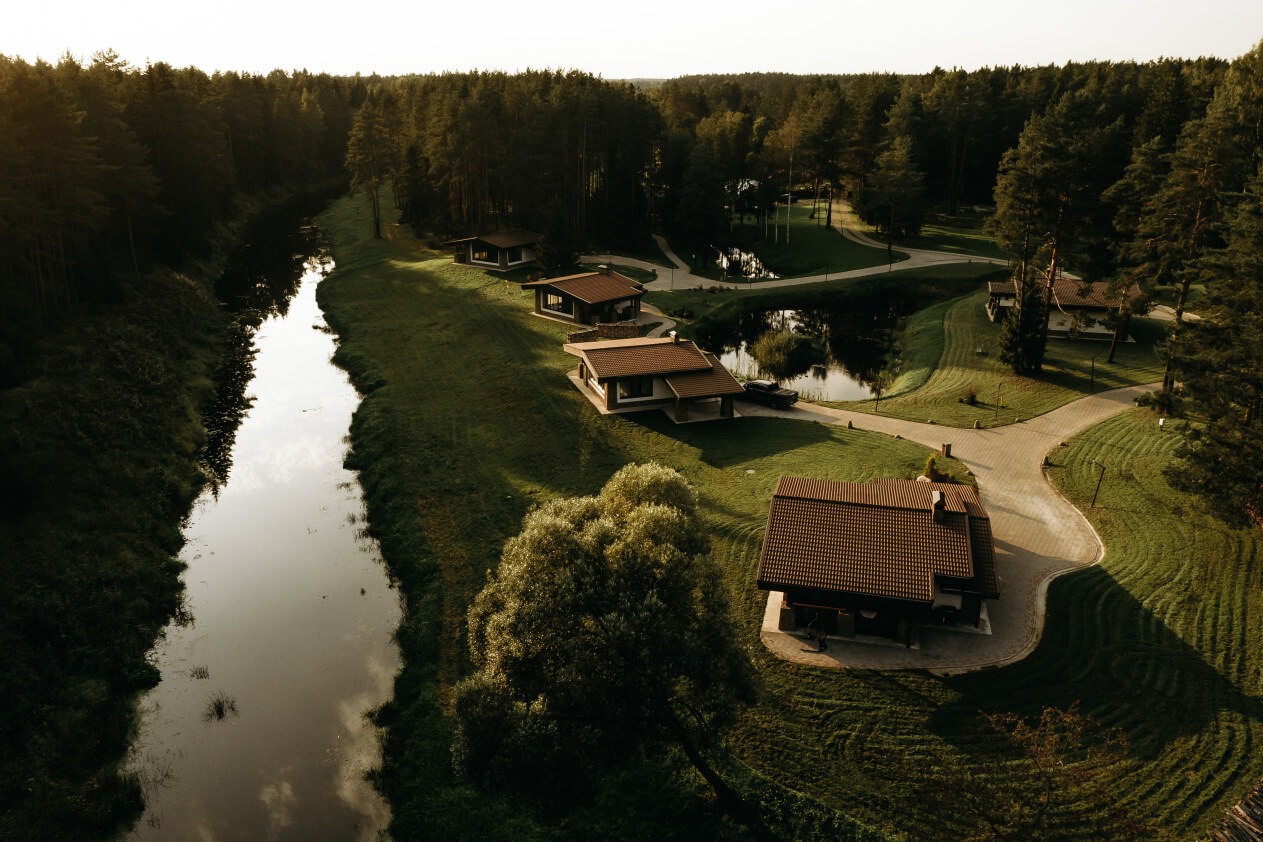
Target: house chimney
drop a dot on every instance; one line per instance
(675, 338)
(937, 505)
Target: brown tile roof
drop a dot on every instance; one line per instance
(705, 384)
(1069, 292)
(640, 357)
(592, 287)
(878, 539)
(504, 240)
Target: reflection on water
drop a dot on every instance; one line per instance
(854, 341)
(742, 263)
(292, 613)
(262, 275)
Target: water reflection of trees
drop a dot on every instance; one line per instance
(264, 272)
(857, 334)
(263, 275)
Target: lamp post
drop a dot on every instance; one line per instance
(1098, 482)
(1092, 387)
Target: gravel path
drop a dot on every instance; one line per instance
(1038, 534)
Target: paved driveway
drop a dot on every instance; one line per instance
(1038, 534)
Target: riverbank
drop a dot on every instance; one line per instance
(99, 455)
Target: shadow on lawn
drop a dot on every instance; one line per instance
(1105, 650)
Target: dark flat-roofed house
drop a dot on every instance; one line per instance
(588, 298)
(1083, 307)
(879, 558)
(626, 375)
(497, 252)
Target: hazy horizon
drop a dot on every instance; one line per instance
(653, 40)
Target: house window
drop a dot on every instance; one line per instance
(484, 254)
(558, 303)
(635, 387)
(515, 255)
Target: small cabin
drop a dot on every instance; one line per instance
(497, 252)
(588, 298)
(1079, 308)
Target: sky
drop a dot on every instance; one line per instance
(648, 39)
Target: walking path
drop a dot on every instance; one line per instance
(1038, 535)
(682, 278)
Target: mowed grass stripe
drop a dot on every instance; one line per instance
(1002, 397)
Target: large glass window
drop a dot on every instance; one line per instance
(515, 255)
(558, 303)
(485, 254)
(635, 387)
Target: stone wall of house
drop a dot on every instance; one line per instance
(618, 330)
(606, 330)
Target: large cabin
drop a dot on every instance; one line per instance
(881, 558)
(668, 373)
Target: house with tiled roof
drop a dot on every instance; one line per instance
(878, 558)
(1082, 308)
(669, 373)
(588, 298)
(497, 252)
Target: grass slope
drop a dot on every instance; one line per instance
(695, 304)
(468, 421)
(929, 390)
(812, 249)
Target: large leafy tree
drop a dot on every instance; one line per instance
(1219, 359)
(605, 632)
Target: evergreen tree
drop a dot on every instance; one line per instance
(894, 198)
(368, 157)
(1219, 359)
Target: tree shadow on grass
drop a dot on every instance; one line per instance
(1123, 665)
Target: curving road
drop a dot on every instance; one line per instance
(1038, 534)
(681, 278)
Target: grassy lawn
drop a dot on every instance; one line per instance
(1161, 640)
(940, 363)
(699, 304)
(812, 249)
(468, 421)
(637, 274)
(957, 240)
(649, 252)
(943, 236)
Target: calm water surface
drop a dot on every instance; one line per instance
(257, 730)
(852, 342)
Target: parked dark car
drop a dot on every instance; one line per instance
(767, 392)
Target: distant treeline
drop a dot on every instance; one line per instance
(600, 162)
(107, 169)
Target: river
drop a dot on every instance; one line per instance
(257, 729)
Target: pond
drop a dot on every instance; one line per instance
(257, 729)
(743, 264)
(850, 342)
